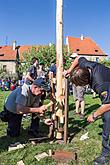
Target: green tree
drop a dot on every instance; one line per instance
(106, 63)
(47, 54)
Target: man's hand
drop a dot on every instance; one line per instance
(48, 121)
(42, 109)
(66, 73)
(90, 118)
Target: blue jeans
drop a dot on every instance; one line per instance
(14, 124)
(106, 134)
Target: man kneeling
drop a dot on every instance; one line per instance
(22, 101)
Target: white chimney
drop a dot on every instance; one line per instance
(82, 37)
(67, 43)
(50, 44)
(14, 45)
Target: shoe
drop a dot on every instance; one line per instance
(75, 113)
(101, 160)
(81, 116)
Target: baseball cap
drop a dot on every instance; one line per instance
(74, 55)
(40, 82)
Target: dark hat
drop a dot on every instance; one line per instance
(40, 82)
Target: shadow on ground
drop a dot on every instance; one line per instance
(77, 124)
(5, 141)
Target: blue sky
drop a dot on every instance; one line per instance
(33, 21)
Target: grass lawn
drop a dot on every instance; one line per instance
(87, 150)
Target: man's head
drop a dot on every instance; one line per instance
(41, 65)
(39, 86)
(80, 77)
(35, 61)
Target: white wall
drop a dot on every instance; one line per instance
(10, 66)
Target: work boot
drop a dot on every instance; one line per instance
(101, 160)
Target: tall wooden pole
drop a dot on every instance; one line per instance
(59, 54)
(66, 108)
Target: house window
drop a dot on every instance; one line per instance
(4, 67)
(97, 59)
(96, 50)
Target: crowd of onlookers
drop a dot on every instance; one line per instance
(10, 84)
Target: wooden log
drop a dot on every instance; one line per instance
(59, 60)
(52, 108)
(66, 108)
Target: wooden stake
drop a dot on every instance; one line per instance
(66, 111)
(59, 58)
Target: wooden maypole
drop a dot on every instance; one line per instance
(59, 61)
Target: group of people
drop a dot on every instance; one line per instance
(8, 84)
(27, 99)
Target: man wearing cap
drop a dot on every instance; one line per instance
(22, 101)
(30, 77)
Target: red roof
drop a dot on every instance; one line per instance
(7, 53)
(25, 48)
(84, 46)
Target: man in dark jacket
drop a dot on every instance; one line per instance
(85, 72)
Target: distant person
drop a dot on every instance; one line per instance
(78, 93)
(52, 77)
(32, 71)
(41, 72)
(13, 85)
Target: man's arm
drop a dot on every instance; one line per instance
(102, 109)
(73, 65)
(50, 75)
(24, 110)
(29, 77)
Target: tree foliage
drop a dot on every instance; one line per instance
(47, 54)
(106, 63)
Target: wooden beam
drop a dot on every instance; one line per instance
(66, 108)
(59, 60)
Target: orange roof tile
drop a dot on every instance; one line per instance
(7, 53)
(86, 46)
(25, 48)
